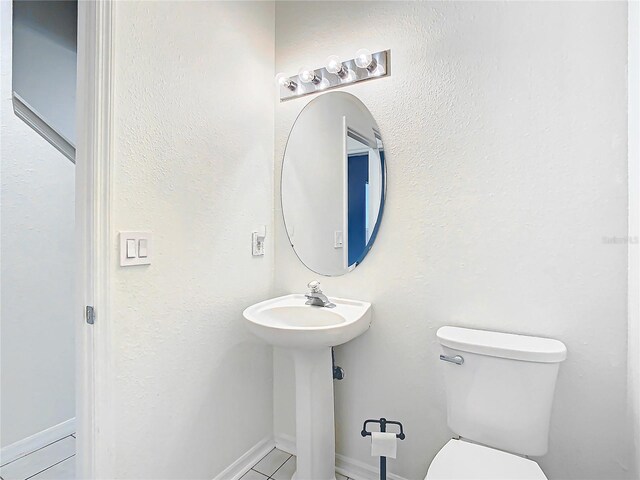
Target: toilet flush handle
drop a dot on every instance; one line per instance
(458, 360)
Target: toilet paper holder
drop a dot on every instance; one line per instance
(383, 422)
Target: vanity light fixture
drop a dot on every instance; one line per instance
(286, 82)
(336, 73)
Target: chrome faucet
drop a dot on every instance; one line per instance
(315, 296)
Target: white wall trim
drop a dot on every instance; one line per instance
(358, 470)
(42, 127)
(348, 467)
(286, 443)
(93, 230)
(36, 441)
(247, 460)
(633, 94)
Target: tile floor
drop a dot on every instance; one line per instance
(276, 465)
(56, 461)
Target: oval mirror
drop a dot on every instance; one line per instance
(333, 183)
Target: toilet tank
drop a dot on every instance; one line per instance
(500, 394)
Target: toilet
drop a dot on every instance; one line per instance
(500, 390)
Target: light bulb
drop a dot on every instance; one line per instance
(364, 59)
(283, 80)
(335, 66)
(308, 75)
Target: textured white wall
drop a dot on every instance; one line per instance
(37, 218)
(193, 149)
(505, 132)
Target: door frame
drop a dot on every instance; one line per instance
(633, 332)
(94, 166)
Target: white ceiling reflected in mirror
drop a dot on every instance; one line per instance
(333, 183)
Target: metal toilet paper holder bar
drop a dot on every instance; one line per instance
(383, 422)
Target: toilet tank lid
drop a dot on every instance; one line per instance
(503, 345)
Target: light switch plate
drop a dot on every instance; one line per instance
(138, 239)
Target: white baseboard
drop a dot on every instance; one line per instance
(247, 460)
(42, 127)
(358, 470)
(34, 442)
(348, 467)
(286, 443)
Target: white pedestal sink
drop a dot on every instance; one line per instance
(309, 332)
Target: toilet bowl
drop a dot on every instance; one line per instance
(460, 459)
(500, 389)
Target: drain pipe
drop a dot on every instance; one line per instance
(338, 372)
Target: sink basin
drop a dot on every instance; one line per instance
(288, 322)
(309, 332)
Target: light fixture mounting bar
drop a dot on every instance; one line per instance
(381, 62)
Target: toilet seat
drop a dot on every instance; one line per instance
(461, 460)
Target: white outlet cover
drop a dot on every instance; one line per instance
(136, 237)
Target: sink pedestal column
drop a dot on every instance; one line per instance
(315, 429)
